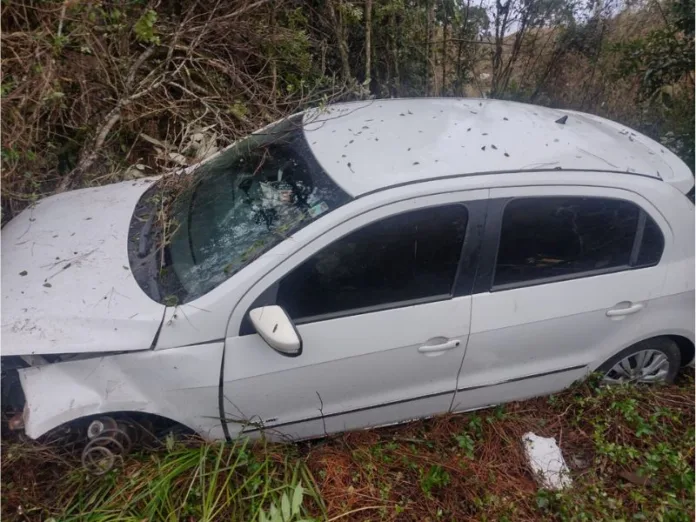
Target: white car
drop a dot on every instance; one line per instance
(361, 265)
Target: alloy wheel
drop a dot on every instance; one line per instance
(645, 366)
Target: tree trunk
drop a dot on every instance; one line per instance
(502, 11)
(460, 48)
(336, 22)
(274, 65)
(395, 53)
(589, 84)
(552, 65)
(460, 45)
(427, 46)
(368, 41)
(444, 49)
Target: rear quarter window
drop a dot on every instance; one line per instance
(564, 237)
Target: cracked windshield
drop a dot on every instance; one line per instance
(248, 200)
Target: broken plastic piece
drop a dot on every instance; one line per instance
(546, 461)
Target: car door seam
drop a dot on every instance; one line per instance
(480, 240)
(221, 397)
(517, 379)
(403, 401)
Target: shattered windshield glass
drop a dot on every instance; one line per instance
(250, 198)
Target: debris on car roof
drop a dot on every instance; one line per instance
(519, 129)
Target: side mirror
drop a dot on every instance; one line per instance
(276, 328)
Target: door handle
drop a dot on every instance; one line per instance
(436, 348)
(620, 312)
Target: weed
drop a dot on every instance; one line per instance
(476, 425)
(435, 478)
(145, 27)
(460, 467)
(466, 443)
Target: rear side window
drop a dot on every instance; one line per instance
(551, 237)
(406, 257)
(652, 244)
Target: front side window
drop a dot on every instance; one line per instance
(403, 258)
(243, 203)
(551, 237)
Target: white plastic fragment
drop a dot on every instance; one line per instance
(546, 461)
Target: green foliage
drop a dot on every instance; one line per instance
(239, 110)
(145, 27)
(10, 155)
(682, 12)
(467, 444)
(435, 478)
(631, 431)
(476, 425)
(206, 483)
(352, 12)
(410, 472)
(584, 38)
(662, 58)
(280, 57)
(290, 508)
(664, 55)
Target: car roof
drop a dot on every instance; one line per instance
(372, 145)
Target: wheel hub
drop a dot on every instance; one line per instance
(645, 366)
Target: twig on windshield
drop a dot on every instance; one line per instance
(263, 160)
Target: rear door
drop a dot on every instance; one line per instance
(382, 303)
(569, 276)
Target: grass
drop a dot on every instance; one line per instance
(630, 450)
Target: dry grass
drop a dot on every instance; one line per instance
(631, 452)
(87, 92)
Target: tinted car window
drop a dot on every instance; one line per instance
(562, 236)
(652, 245)
(409, 256)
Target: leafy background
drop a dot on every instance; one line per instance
(95, 92)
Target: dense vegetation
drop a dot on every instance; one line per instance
(94, 92)
(630, 450)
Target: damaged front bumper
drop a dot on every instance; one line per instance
(180, 385)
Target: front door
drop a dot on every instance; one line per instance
(382, 304)
(571, 276)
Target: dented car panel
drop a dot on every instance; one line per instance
(97, 343)
(401, 141)
(181, 385)
(66, 283)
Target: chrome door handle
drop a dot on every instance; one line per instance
(435, 348)
(619, 312)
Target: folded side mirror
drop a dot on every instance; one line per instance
(277, 329)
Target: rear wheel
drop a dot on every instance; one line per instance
(651, 361)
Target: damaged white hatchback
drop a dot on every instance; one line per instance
(361, 265)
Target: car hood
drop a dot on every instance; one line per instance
(67, 286)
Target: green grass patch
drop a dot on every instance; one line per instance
(630, 450)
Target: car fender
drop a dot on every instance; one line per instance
(180, 384)
(671, 313)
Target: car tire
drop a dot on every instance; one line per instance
(660, 350)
